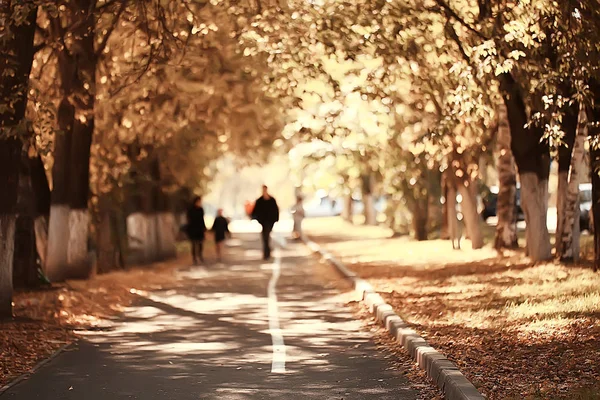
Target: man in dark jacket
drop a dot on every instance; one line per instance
(266, 212)
(196, 228)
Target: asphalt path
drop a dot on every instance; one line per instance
(243, 329)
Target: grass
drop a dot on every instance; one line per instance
(516, 328)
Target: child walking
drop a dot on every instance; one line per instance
(220, 229)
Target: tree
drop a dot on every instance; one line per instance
(506, 230)
(16, 57)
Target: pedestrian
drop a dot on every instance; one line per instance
(266, 212)
(220, 229)
(196, 229)
(298, 214)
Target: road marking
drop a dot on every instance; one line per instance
(278, 363)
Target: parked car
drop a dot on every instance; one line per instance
(490, 201)
(322, 207)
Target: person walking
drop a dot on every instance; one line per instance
(266, 212)
(196, 229)
(220, 229)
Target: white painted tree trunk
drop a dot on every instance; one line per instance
(58, 240)
(369, 210)
(506, 229)
(571, 231)
(534, 201)
(7, 247)
(137, 233)
(470, 214)
(143, 238)
(78, 256)
(151, 247)
(167, 235)
(348, 209)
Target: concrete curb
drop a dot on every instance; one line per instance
(36, 367)
(443, 372)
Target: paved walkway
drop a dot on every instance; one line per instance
(241, 330)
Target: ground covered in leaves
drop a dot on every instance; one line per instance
(46, 319)
(517, 330)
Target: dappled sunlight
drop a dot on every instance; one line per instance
(210, 329)
(494, 315)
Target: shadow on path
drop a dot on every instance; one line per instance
(208, 338)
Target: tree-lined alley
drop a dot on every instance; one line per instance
(113, 112)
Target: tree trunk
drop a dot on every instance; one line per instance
(25, 253)
(79, 218)
(534, 201)
(167, 235)
(143, 237)
(16, 57)
(41, 193)
(57, 260)
(450, 195)
(10, 154)
(70, 218)
(471, 216)
(420, 213)
(570, 238)
(561, 209)
(532, 156)
(107, 237)
(348, 209)
(368, 201)
(7, 242)
(83, 131)
(565, 152)
(594, 171)
(444, 230)
(506, 230)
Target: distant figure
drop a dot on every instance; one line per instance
(196, 229)
(220, 229)
(298, 214)
(266, 212)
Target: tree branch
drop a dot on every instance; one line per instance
(110, 30)
(452, 14)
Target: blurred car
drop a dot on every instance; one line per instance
(322, 207)
(490, 202)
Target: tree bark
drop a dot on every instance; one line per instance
(420, 213)
(469, 210)
(41, 193)
(16, 58)
(77, 67)
(565, 153)
(348, 209)
(79, 218)
(532, 156)
(570, 237)
(506, 230)
(368, 201)
(595, 169)
(453, 229)
(10, 154)
(57, 260)
(25, 264)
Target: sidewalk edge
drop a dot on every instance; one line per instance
(35, 368)
(443, 372)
